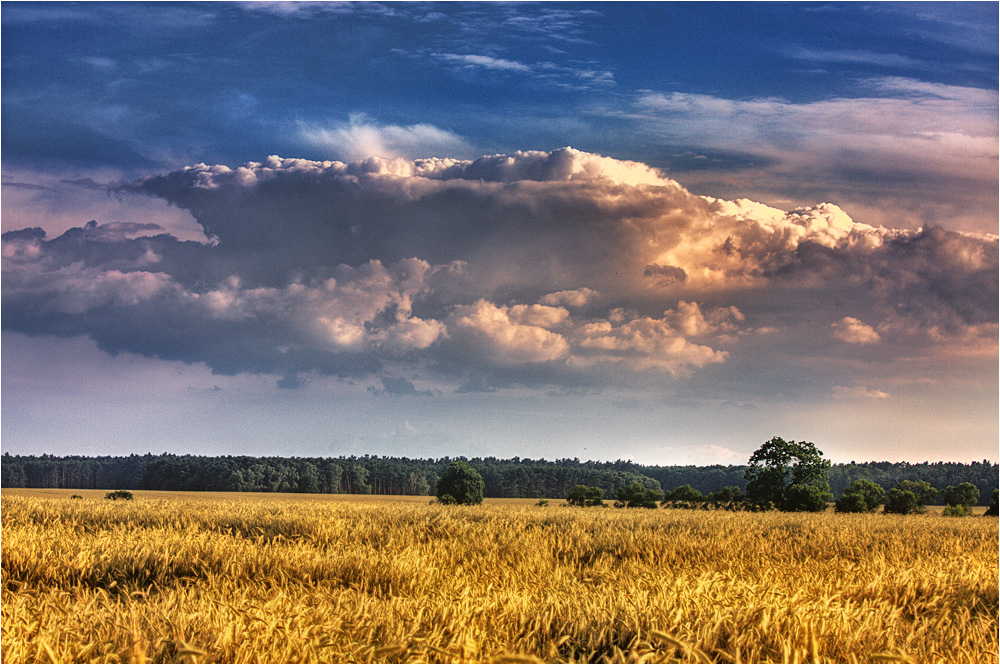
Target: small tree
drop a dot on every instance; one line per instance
(861, 496)
(684, 496)
(637, 495)
(788, 475)
(728, 498)
(994, 509)
(462, 483)
(960, 499)
(119, 494)
(909, 497)
(584, 495)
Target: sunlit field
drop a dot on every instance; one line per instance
(282, 578)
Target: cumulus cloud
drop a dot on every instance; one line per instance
(852, 331)
(558, 267)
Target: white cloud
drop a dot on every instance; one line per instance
(555, 267)
(361, 137)
(485, 61)
(853, 331)
(570, 298)
(858, 392)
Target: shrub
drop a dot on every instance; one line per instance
(908, 497)
(583, 495)
(119, 494)
(994, 509)
(76, 496)
(542, 503)
(960, 499)
(637, 495)
(446, 499)
(684, 496)
(861, 496)
(462, 482)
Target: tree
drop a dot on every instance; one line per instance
(637, 495)
(119, 494)
(959, 499)
(729, 498)
(861, 496)
(994, 509)
(462, 483)
(788, 475)
(909, 497)
(584, 495)
(684, 496)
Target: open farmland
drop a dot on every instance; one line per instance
(226, 578)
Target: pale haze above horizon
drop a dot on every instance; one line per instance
(663, 232)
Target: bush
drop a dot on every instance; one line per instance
(637, 495)
(76, 496)
(542, 503)
(684, 496)
(446, 499)
(909, 497)
(462, 483)
(119, 494)
(861, 496)
(960, 499)
(994, 509)
(583, 495)
(801, 498)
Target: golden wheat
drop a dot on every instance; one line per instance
(169, 580)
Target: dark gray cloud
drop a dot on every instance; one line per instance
(560, 268)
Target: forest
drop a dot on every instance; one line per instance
(503, 478)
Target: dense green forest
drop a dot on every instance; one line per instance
(399, 475)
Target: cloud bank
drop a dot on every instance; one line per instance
(557, 268)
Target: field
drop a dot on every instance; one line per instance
(171, 577)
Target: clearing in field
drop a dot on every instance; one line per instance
(230, 580)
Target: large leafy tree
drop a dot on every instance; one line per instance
(789, 476)
(462, 483)
(583, 495)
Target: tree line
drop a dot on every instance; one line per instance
(503, 478)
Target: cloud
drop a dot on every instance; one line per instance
(858, 392)
(485, 61)
(361, 137)
(852, 331)
(905, 152)
(562, 268)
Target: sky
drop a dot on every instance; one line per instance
(663, 232)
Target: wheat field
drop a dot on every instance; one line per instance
(175, 579)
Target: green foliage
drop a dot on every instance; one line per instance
(957, 511)
(965, 495)
(801, 498)
(862, 496)
(541, 503)
(909, 497)
(119, 494)
(583, 495)
(994, 509)
(788, 475)
(637, 495)
(76, 496)
(447, 500)
(684, 496)
(462, 482)
(728, 498)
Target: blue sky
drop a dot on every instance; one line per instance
(776, 218)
